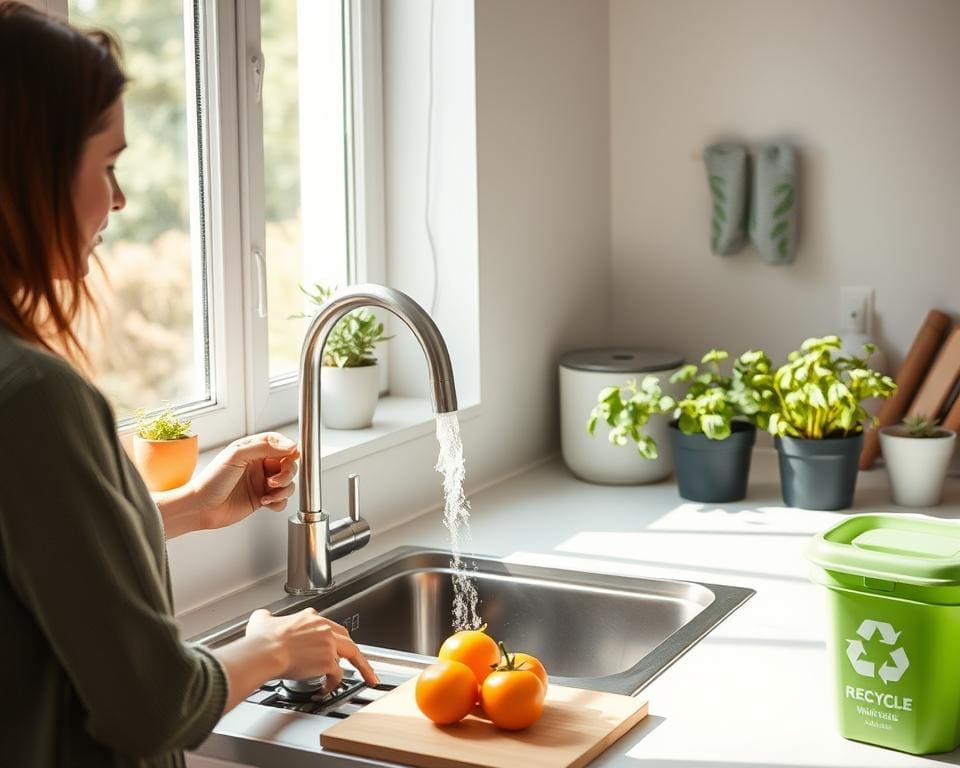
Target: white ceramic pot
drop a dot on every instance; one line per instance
(917, 465)
(583, 374)
(348, 396)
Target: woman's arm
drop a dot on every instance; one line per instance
(180, 511)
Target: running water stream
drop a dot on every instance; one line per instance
(456, 517)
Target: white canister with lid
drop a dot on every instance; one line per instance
(583, 374)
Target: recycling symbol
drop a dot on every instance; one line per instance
(888, 636)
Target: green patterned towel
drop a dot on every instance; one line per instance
(773, 212)
(728, 177)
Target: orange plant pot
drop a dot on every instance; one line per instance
(165, 464)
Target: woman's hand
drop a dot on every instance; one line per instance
(252, 472)
(311, 646)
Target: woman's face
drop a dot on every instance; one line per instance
(95, 190)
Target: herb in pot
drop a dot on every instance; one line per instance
(819, 393)
(709, 406)
(352, 340)
(166, 425)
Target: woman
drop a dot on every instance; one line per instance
(94, 670)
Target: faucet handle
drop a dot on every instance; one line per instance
(353, 497)
(352, 532)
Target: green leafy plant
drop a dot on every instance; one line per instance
(352, 340)
(921, 426)
(710, 405)
(627, 409)
(166, 425)
(819, 393)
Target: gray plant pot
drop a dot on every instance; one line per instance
(713, 471)
(819, 474)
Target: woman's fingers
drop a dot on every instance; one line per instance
(282, 479)
(334, 677)
(267, 445)
(345, 648)
(278, 499)
(348, 650)
(281, 472)
(315, 644)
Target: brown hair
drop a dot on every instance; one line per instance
(58, 83)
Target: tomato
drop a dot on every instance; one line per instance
(512, 698)
(472, 647)
(446, 692)
(531, 664)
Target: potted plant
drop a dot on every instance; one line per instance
(714, 423)
(349, 375)
(917, 453)
(818, 421)
(163, 451)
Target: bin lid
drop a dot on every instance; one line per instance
(621, 360)
(904, 548)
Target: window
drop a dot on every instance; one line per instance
(305, 213)
(153, 288)
(246, 176)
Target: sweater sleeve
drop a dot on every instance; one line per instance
(76, 552)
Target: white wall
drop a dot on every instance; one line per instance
(869, 91)
(445, 282)
(543, 168)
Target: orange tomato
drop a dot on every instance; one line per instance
(446, 692)
(512, 698)
(530, 664)
(472, 647)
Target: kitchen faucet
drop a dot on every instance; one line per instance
(313, 542)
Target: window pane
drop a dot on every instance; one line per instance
(304, 164)
(153, 345)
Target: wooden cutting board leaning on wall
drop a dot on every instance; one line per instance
(910, 378)
(576, 726)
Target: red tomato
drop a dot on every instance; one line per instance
(446, 692)
(472, 647)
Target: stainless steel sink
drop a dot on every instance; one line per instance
(594, 631)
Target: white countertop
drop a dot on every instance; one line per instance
(758, 690)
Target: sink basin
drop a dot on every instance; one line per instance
(595, 631)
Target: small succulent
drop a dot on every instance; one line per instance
(166, 425)
(921, 425)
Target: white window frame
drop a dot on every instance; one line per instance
(244, 399)
(223, 419)
(272, 404)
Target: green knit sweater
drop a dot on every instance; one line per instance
(94, 671)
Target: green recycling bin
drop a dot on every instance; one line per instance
(894, 592)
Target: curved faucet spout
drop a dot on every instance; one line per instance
(313, 541)
(443, 391)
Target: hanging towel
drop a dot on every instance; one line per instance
(727, 174)
(773, 212)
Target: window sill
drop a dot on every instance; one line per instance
(397, 420)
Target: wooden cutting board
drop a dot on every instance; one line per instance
(575, 727)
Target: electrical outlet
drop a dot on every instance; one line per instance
(856, 308)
